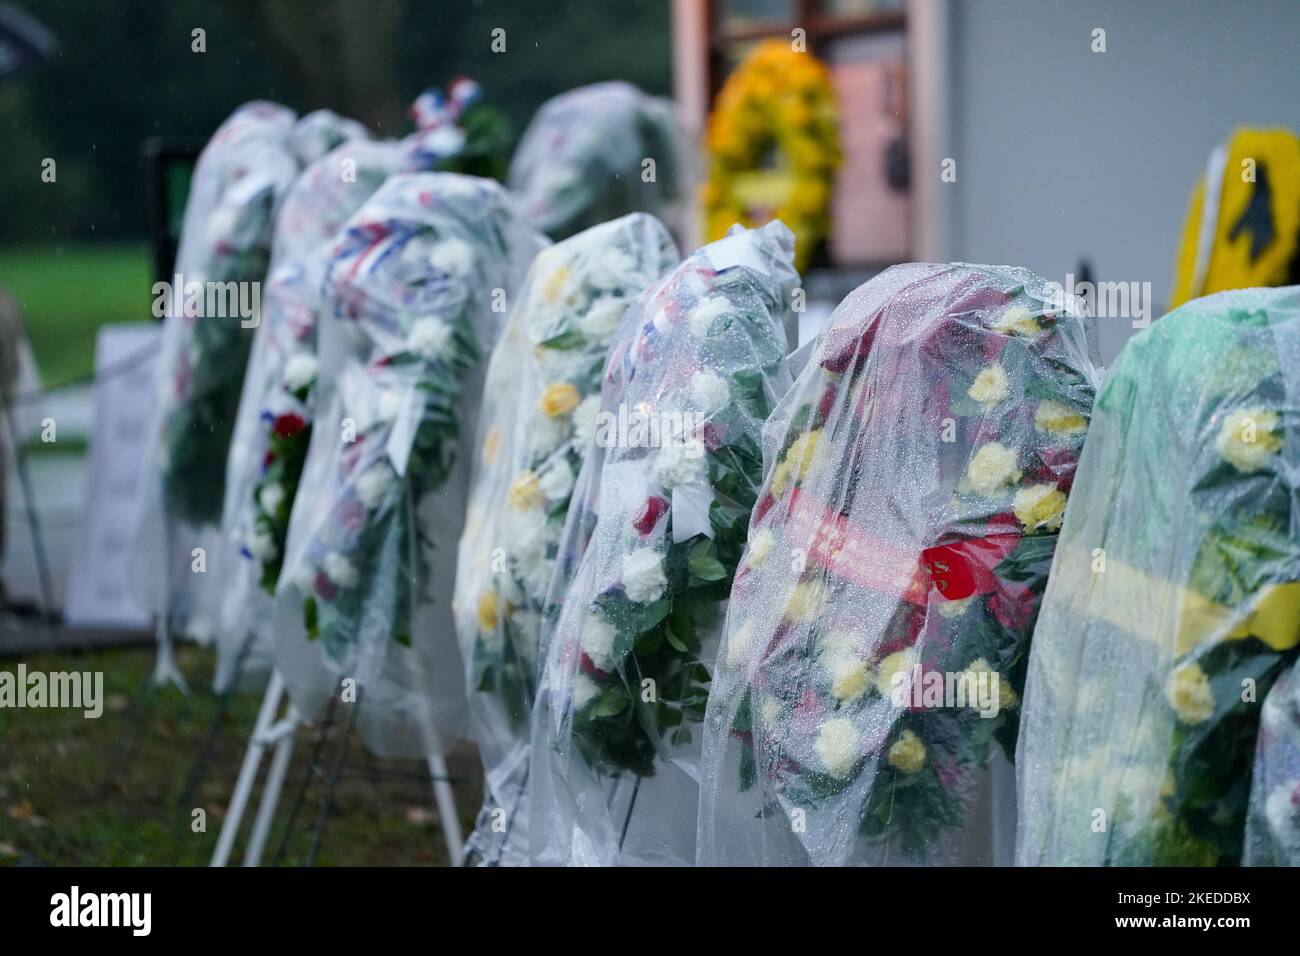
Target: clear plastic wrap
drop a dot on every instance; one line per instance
(536, 426)
(1174, 601)
(240, 179)
(1273, 817)
(875, 640)
(273, 430)
(581, 160)
(320, 131)
(663, 503)
(277, 407)
(413, 301)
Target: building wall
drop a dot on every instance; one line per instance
(1063, 153)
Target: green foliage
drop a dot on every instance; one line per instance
(67, 292)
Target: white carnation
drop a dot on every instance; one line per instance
(444, 140)
(598, 642)
(610, 269)
(373, 484)
(584, 691)
(680, 462)
(1282, 812)
(603, 317)
(270, 497)
(585, 417)
(262, 545)
(549, 433)
(389, 404)
(703, 315)
(709, 392)
(643, 575)
(428, 337)
(304, 578)
(300, 371)
(557, 480)
(340, 570)
(455, 257)
(222, 222)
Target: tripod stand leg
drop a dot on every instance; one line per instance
(445, 798)
(248, 771)
(271, 792)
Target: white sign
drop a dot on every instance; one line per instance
(98, 593)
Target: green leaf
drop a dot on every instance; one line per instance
(609, 705)
(704, 563)
(571, 339)
(309, 618)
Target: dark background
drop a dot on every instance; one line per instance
(125, 72)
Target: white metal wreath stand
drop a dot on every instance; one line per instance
(268, 732)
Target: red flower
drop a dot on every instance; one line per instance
(586, 665)
(763, 507)
(649, 515)
(827, 403)
(845, 346)
(324, 586)
(288, 425)
(711, 435)
(266, 460)
(352, 515)
(1013, 605)
(1056, 465)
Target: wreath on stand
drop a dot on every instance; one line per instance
(774, 147)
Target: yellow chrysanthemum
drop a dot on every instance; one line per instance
(559, 398)
(1189, 694)
(797, 461)
(806, 601)
(1058, 419)
(895, 663)
(1016, 320)
(1039, 507)
(907, 753)
(489, 611)
(1249, 438)
(760, 546)
(492, 445)
(850, 680)
(554, 285)
(526, 492)
(992, 469)
(990, 385)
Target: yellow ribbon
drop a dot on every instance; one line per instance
(1150, 608)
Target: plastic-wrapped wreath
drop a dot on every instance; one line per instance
(274, 427)
(1273, 818)
(583, 159)
(238, 184)
(409, 311)
(277, 409)
(874, 656)
(540, 403)
(1174, 602)
(694, 371)
(320, 132)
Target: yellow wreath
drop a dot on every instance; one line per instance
(777, 107)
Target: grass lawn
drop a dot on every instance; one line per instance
(68, 291)
(55, 809)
